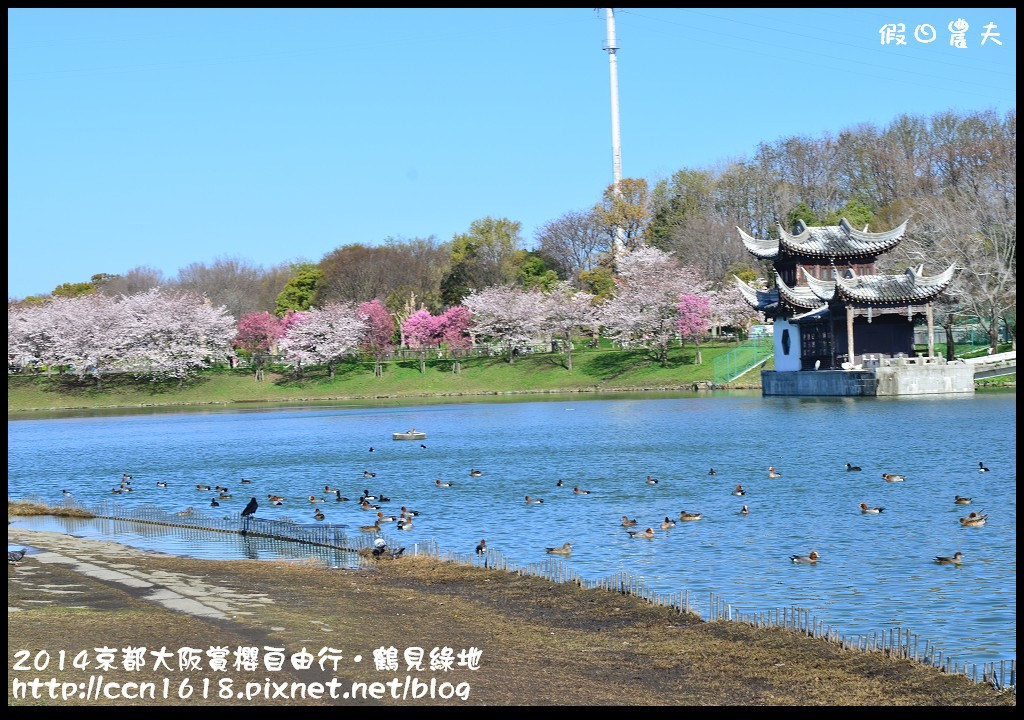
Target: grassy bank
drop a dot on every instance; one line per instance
(541, 643)
(592, 371)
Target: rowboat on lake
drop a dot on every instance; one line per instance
(413, 434)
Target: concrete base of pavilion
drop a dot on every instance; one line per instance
(898, 376)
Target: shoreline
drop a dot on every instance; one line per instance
(541, 642)
(701, 387)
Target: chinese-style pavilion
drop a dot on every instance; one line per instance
(830, 308)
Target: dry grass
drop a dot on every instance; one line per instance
(541, 643)
(22, 507)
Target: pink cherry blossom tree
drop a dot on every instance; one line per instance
(380, 332)
(453, 333)
(694, 319)
(258, 334)
(325, 336)
(644, 307)
(566, 312)
(421, 330)
(729, 309)
(507, 314)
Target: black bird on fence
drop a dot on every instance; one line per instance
(250, 508)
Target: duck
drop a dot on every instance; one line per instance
(67, 493)
(475, 473)
(338, 497)
(367, 495)
(559, 484)
(127, 489)
(641, 534)
(372, 450)
(245, 482)
(318, 515)
(481, 548)
(315, 499)
(368, 474)
(685, 516)
(973, 520)
(564, 550)
(381, 517)
(202, 487)
(739, 491)
(214, 503)
(576, 489)
(893, 478)
(381, 498)
(161, 483)
(329, 489)
(712, 472)
(962, 500)
(424, 447)
(955, 560)
(852, 468)
(410, 513)
(405, 523)
(277, 502)
(805, 559)
(772, 473)
(442, 484)
(651, 481)
(225, 496)
(870, 510)
(366, 505)
(116, 491)
(533, 501)
(744, 511)
(218, 488)
(626, 522)
(981, 467)
(370, 528)
(274, 498)
(666, 523)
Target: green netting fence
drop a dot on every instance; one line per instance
(747, 355)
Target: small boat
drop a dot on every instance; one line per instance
(412, 434)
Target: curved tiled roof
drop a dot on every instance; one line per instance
(756, 298)
(823, 289)
(799, 296)
(908, 287)
(825, 241)
(763, 249)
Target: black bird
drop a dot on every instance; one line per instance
(250, 508)
(214, 503)
(712, 472)
(559, 484)
(245, 482)
(851, 468)
(981, 467)
(423, 446)
(15, 556)
(383, 499)
(339, 497)
(371, 450)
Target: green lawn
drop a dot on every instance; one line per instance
(593, 370)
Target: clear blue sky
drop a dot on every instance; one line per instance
(165, 137)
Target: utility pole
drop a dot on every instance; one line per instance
(611, 46)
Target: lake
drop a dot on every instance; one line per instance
(875, 571)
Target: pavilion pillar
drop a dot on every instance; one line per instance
(849, 333)
(931, 330)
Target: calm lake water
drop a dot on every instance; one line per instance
(876, 571)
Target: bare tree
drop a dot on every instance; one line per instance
(137, 280)
(573, 243)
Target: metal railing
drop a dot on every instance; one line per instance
(742, 359)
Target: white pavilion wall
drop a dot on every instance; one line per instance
(785, 362)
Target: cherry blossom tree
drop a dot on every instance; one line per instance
(325, 336)
(729, 309)
(258, 334)
(172, 334)
(380, 332)
(566, 312)
(694, 319)
(421, 331)
(507, 314)
(453, 334)
(644, 307)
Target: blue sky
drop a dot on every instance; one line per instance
(165, 137)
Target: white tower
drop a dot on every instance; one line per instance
(611, 46)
